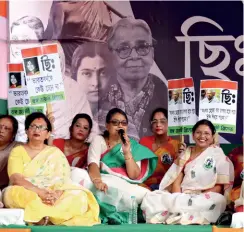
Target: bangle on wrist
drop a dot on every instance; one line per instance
(129, 158)
(96, 180)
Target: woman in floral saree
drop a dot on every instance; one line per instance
(115, 168)
(40, 182)
(196, 188)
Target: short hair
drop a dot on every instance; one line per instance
(127, 23)
(31, 117)
(159, 110)
(109, 115)
(78, 116)
(114, 111)
(206, 123)
(14, 122)
(33, 22)
(89, 49)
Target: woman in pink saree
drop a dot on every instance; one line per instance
(195, 189)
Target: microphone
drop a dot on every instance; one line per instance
(121, 133)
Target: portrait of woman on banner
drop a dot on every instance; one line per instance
(31, 66)
(92, 69)
(15, 80)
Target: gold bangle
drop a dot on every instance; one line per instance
(97, 178)
(131, 157)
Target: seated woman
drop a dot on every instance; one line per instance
(196, 187)
(40, 181)
(76, 148)
(164, 147)
(116, 168)
(8, 131)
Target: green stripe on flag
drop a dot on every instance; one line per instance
(225, 128)
(45, 98)
(180, 130)
(3, 106)
(19, 111)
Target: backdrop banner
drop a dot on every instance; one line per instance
(117, 54)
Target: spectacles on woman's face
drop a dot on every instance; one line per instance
(116, 122)
(35, 127)
(160, 121)
(142, 49)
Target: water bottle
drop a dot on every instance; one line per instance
(133, 211)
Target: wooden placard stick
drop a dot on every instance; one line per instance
(216, 139)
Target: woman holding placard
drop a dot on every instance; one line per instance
(164, 147)
(196, 188)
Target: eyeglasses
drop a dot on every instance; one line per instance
(35, 127)
(117, 122)
(160, 121)
(5, 128)
(124, 51)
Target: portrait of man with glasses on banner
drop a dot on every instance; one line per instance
(133, 88)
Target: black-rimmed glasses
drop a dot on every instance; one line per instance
(35, 127)
(124, 51)
(115, 122)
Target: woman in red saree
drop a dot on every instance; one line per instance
(76, 148)
(164, 147)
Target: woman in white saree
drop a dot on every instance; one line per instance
(195, 189)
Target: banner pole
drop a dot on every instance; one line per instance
(216, 139)
(49, 113)
(182, 138)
